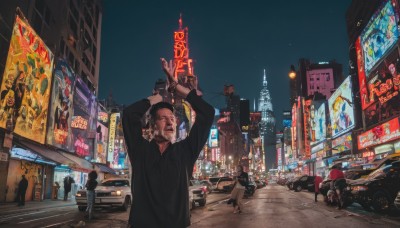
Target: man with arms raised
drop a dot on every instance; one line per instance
(162, 168)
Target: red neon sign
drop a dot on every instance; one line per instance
(181, 52)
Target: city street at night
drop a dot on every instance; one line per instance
(271, 206)
(203, 114)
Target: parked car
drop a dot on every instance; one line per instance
(225, 184)
(114, 192)
(379, 189)
(198, 192)
(397, 200)
(289, 182)
(208, 185)
(260, 184)
(214, 182)
(304, 182)
(364, 170)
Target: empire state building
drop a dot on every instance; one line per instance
(267, 125)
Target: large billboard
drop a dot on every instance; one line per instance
(61, 111)
(383, 90)
(213, 138)
(320, 123)
(341, 109)
(25, 88)
(101, 135)
(83, 122)
(380, 34)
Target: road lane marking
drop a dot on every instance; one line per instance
(42, 218)
(5, 218)
(60, 223)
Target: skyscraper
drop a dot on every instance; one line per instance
(267, 125)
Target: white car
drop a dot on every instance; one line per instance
(197, 193)
(113, 192)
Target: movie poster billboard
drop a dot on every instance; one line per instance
(379, 35)
(383, 91)
(61, 109)
(82, 122)
(320, 123)
(341, 109)
(101, 135)
(25, 88)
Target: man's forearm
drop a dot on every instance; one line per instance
(182, 91)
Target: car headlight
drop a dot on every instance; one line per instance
(116, 193)
(359, 188)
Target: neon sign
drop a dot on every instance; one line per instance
(181, 52)
(385, 90)
(79, 122)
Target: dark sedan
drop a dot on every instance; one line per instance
(304, 182)
(379, 189)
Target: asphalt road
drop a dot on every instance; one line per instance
(272, 206)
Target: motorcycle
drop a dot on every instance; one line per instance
(340, 195)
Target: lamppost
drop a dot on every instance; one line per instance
(292, 72)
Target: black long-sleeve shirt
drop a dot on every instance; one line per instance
(160, 181)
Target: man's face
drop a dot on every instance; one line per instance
(165, 125)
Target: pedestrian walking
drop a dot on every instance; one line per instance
(91, 185)
(68, 181)
(22, 186)
(242, 181)
(162, 167)
(317, 181)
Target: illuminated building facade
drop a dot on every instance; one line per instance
(267, 125)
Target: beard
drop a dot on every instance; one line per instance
(162, 135)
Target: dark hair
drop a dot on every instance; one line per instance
(93, 175)
(156, 107)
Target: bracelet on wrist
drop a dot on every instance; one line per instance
(172, 87)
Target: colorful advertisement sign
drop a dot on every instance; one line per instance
(25, 88)
(213, 138)
(83, 123)
(342, 143)
(307, 126)
(383, 88)
(101, 135)
(341, 109)
(59, 133)
(379, 35)
(380, 134)
(181, 52)
(362, 78)
(294, 129)
(320, 123)
(114, 120)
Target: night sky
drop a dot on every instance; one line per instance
(231, 42)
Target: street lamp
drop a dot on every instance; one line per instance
(292, 72)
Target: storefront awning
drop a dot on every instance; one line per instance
(80, 164)
(105, 169)
(45, 152)
(25, 154)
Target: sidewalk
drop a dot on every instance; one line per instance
(7, 208)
